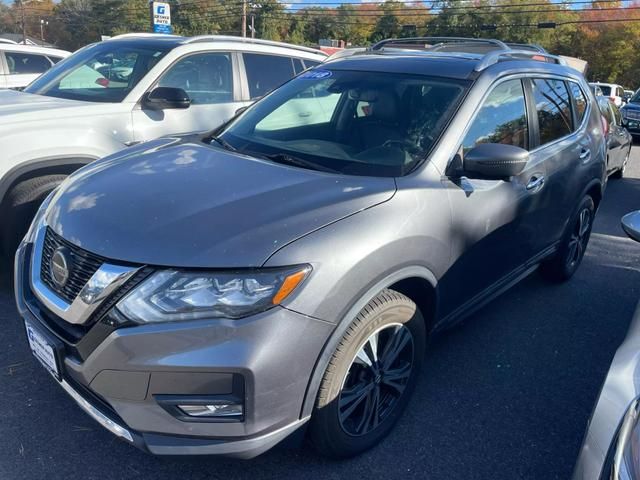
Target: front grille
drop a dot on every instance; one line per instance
(83, 265)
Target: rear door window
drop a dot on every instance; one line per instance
(501, 119)
(26, 63)
(266, 72)
(553, 109)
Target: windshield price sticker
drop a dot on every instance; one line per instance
(316, 74)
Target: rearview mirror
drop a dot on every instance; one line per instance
(166, 98)
(494, 161)
(631, 225)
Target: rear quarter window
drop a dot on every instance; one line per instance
(579, 101)
(553, 109)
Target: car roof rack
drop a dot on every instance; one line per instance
(534, 47)
(437, 43)
(492, 58)
(487, 50)
(254, 41)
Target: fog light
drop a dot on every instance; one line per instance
(220, 410)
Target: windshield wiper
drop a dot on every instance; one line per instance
(226, 145)
(298, 162)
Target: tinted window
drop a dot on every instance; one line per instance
(25, 63)
(311, 63)
(554, 110)
(579, 100)
(54, 60)
(502, 118)
(298, 66)
(266, 72)
(206, 77)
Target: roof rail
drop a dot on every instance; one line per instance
(492, 58)
(255, 41)
(435, 41)
(534, 47)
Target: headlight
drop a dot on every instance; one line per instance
(626, 459)
(171, 295)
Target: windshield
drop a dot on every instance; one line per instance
(635, 98)
(104, 72)
(350, 122)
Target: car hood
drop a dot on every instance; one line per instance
(181, 203)
(631, 106)
(17, 106)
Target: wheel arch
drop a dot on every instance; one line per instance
(40, 167)
(594, 190)
(416, 282)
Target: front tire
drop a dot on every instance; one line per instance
(370, 377)
(21, 205)
(562, 266)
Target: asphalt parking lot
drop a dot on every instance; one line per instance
(505, 395)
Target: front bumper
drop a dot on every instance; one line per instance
(266, 360)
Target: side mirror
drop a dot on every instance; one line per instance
(631, 225)
(166, 98)
(494, 161)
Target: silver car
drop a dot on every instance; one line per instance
(611, 448)
(212, 293)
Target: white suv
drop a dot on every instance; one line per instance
(613, 91)
(124, 91)
(22, 64)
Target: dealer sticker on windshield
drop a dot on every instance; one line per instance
(316, 74)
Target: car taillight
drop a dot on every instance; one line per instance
(605, 125)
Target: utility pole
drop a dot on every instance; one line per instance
(244, 18)
(42, 25)
(24, 23)
(253, 25)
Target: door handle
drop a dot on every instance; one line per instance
(535, 183)
(585, 154)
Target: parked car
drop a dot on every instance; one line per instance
(613, 91)
(124, 91)
(210, 294)
(611, 448)
(22, 64)
(627, 95)
(619, 140)
(631, 114)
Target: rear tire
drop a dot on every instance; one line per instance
(566, 261)
(20, 206)
(370, 377)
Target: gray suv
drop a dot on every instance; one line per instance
(213, 293)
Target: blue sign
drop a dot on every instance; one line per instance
(161, 17)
